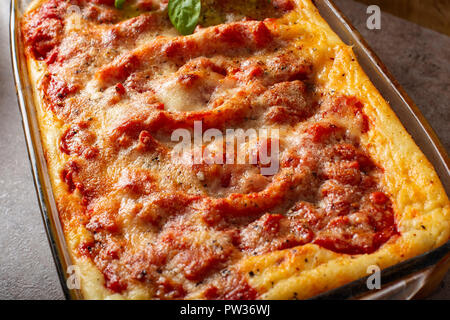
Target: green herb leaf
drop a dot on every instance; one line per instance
(184, 15)
(119, 3)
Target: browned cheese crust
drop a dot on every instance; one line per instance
(112, 86)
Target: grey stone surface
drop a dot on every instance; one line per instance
(26, 266)
(419, 58)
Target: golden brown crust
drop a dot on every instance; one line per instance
(421, 207)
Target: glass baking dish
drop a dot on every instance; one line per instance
(412, 278)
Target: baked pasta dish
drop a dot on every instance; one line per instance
(334, 186)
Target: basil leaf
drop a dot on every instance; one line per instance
(119, 3)
(184, 15)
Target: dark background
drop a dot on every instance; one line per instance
(419, 58)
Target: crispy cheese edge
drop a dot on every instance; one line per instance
(421, 205)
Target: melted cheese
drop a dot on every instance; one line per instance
(141, 225)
